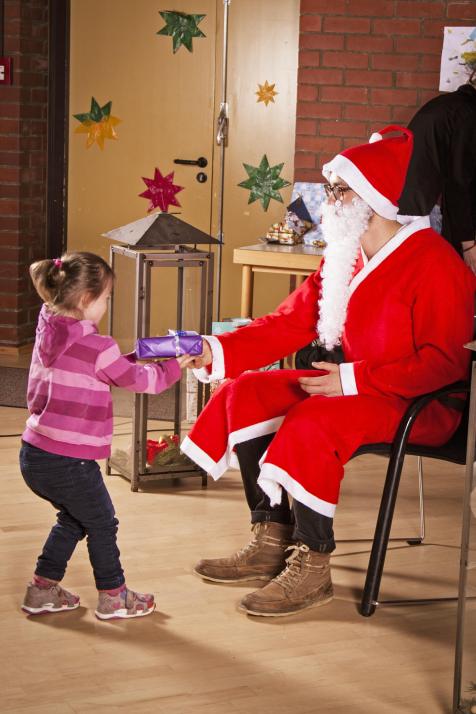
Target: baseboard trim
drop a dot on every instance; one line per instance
(13, 351)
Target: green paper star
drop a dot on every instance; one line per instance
(181, 27)
(96, 113)
(264, 182)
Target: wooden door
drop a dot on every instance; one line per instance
(262, 47)
(165, 103)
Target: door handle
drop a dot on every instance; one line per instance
(201, 161)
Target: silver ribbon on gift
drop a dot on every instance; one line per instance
(177, 334)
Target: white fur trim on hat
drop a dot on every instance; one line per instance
(348, 171)
(375, 137)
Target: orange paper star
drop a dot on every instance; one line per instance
(98, 124)
(266, 93)
(98, 131)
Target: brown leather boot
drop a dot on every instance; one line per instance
(306, 582)
(262, 559)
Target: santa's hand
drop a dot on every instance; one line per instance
(327, 385)
(202, 360)
(185, 361)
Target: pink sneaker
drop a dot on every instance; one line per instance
(52, 599)
(125, 604)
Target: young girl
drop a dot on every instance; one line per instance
(70, 426)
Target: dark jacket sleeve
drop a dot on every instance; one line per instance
(444, 164)
(424, 183)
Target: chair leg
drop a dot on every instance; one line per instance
(382, 532)
(421, 497)
(411, 541)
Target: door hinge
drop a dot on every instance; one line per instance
(222, 125)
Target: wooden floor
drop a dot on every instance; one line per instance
(197, 654)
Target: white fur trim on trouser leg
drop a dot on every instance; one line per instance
(263, 458)
(229, 459)
(254, 431)
(194, 452)
(271, 479)
(250, 432)
(234, 463)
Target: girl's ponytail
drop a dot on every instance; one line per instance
(63, 282)
(47, 276)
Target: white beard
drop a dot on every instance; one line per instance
(342, 227)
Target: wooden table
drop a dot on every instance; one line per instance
(297, 261)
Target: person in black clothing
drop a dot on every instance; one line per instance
(443, 166)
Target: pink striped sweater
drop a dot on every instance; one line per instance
(72, 371)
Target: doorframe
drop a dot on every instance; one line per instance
(57, 131)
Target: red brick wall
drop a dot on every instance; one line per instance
(364, 64)
(23, 133)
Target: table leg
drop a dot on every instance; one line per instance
(247, 291)
(295, 281)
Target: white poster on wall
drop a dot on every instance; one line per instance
(458, 57)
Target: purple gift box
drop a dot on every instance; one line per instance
(175, 344)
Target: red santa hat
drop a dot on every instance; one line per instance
(376, 171)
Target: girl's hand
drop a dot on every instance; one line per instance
(185, 361)
(202, 360)
(327, 385)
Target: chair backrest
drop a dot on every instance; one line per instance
(453, 450)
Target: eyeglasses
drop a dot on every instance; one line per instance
(336, 191)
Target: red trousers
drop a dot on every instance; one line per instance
(314, 436)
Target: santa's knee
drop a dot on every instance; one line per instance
(307, 431)
(309, 415)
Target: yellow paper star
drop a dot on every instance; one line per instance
(266, 93)
(98, 131)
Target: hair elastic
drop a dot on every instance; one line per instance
(58, 262)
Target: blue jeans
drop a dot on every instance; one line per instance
(76, 488)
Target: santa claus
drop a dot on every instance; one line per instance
(399, 300)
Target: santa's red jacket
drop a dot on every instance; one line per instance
(409, 315)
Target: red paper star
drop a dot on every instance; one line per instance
(161, 191)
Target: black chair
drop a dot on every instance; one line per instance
(453, 451)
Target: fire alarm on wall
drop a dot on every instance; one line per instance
(6, 70)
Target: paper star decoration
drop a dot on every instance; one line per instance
(161, 191)
(98, 124)
(264, 182)
(182, 28)
(469, 58)
(266, 93)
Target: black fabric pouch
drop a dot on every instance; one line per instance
(315, 352)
